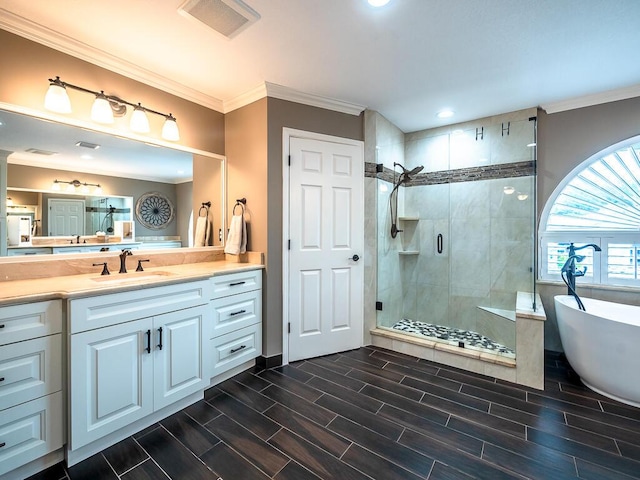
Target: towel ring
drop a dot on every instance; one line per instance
(238, 205)
(206, 206)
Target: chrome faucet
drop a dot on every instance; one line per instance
(569, 272)
(123, 259)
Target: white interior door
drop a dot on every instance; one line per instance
(66, 217)
(326, 229)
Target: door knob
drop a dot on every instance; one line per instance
(355, 258)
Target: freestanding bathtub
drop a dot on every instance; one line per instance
(602, 345)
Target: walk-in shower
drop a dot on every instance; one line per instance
(456, 227)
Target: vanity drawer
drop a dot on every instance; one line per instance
(233, 349)
(236, 312)
(106, 310)
(30, 369)
(30, 320)
(30, 430)
(232, 283)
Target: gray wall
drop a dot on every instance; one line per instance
(565, 140)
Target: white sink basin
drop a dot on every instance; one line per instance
(132, 277)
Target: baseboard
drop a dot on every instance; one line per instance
(269, 362)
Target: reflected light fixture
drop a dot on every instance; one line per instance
(72, 185)
(508, 190)
(106, 107)
(522, 196)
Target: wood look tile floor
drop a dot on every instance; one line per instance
(372, 413)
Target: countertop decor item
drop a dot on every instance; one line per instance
(154, 210)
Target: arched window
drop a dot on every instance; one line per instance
(598, 202)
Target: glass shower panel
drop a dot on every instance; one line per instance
(466, 244)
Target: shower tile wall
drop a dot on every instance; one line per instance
(488, 235)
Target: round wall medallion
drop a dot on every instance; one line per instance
(154, 210)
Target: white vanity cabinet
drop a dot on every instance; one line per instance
(236, 332)
(134, 353)
(31, 401)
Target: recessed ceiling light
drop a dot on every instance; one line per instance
(378, 3)
(445, 113)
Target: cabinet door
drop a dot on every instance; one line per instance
(111, 376)
(180, 357)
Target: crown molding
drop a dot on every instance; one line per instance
(286, 93)
(273, 90)
(594, 99)
(45, 36)
(246, 98)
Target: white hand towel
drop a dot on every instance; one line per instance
(237, 238)
(202, 226)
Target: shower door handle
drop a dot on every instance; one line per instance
(440, 243)
(355, 258)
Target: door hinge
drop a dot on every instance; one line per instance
(289, 160)
(289, 327)
(289, 244)
(379, 306)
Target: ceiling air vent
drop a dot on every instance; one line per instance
(228, 17)
(38, 151)
(92, 146)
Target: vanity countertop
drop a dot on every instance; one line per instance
(75, 286)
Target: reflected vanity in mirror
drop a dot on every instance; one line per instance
(71, 189)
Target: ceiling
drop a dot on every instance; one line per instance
(407, 60)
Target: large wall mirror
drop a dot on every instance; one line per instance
(66, 184)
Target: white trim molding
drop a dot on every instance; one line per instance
(593, 99)
(281, 92)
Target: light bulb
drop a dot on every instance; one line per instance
(101, 109)
(170, 129)
(98, 190)
(56, 98)
(55, 186)
(139, 121)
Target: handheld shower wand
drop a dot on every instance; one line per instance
(403, 178)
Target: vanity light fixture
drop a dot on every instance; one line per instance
(106, 107)
(74, 184)
(9, 202)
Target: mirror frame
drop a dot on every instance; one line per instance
(41, 115)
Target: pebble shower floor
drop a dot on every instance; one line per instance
(454, 336)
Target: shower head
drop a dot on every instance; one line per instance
(405, 176)
(418, 169)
